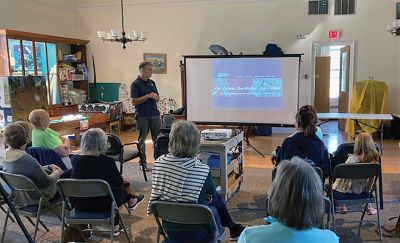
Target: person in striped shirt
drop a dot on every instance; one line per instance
(181, 177)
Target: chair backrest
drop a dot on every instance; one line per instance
(161, 144)
(356, 171)
(115, 144)
(83, 188)
(19, 182)
(46, 156)
(168, 120)
(183, 213)
(342, 153)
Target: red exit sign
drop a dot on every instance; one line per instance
(334, 34)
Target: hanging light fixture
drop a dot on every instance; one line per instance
(124, 38)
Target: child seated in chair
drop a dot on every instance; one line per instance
(364, 152)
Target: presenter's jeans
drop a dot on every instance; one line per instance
(143, 126)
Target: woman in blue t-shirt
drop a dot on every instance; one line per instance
(296, 206)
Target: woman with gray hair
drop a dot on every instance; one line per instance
(91, 163)
(296, 206)
(181, 177)
(45, 137)
(17, 161)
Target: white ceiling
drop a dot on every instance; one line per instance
(109, 3)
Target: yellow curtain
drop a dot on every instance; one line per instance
(369, 97)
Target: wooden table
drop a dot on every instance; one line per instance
(73, 127)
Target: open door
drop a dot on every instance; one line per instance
(343, 104)
(322, 82)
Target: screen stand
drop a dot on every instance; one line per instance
(247, 140)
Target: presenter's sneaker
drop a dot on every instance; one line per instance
(139, 200)
(235, 232)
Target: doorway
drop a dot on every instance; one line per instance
(332, 77)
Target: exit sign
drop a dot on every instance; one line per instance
(333, 34)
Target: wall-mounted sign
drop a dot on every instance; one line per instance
(333, 35)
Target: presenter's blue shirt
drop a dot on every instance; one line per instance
(140, 88)
(277, 232)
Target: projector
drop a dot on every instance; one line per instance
(215, 134)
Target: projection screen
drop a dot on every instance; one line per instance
(242, 89)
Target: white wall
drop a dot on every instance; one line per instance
(40, 17)
(189, 28)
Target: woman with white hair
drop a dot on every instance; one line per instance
(181, 177)
(91, 163)
(296, 206)
(45, 137)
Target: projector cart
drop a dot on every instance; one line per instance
(228, 176)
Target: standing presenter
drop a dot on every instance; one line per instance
(145, 96)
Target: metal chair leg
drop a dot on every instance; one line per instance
(62, 222)
(37, 219)
(123, 227)
(362, 218)
(379, 220)
(44, 226)
(5, 226)
(5, 211)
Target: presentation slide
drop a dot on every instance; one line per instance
(242, 89)
(247, 84)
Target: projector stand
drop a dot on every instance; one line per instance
(247, 140)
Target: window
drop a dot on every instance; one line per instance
(317, 7)
(14, 50)
(36, 59)
(345, 7)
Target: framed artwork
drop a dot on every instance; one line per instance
(158, 60)
(398, 10)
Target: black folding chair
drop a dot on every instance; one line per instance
(340, 156)
(367, 171)
(121, 153)
(161, 145)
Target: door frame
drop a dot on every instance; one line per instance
(316, 44)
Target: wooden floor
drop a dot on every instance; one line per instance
(266, 144)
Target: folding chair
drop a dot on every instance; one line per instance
(87, 188)
(21, 183)
(357, 171)
(3, 202)
(342, 153)
(161, 145)
(121, 154)
(183, 213)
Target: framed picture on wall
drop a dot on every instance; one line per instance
(158, 60)
(398, 10)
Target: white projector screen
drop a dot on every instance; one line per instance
(242, 89)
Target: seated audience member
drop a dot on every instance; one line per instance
(364, 152)
(91, 163)
(305, 143)
(45, 137)
(180, 177)
(296, 208)
(28, 130)
(17, 161)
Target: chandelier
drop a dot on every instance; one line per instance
(124, 38)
